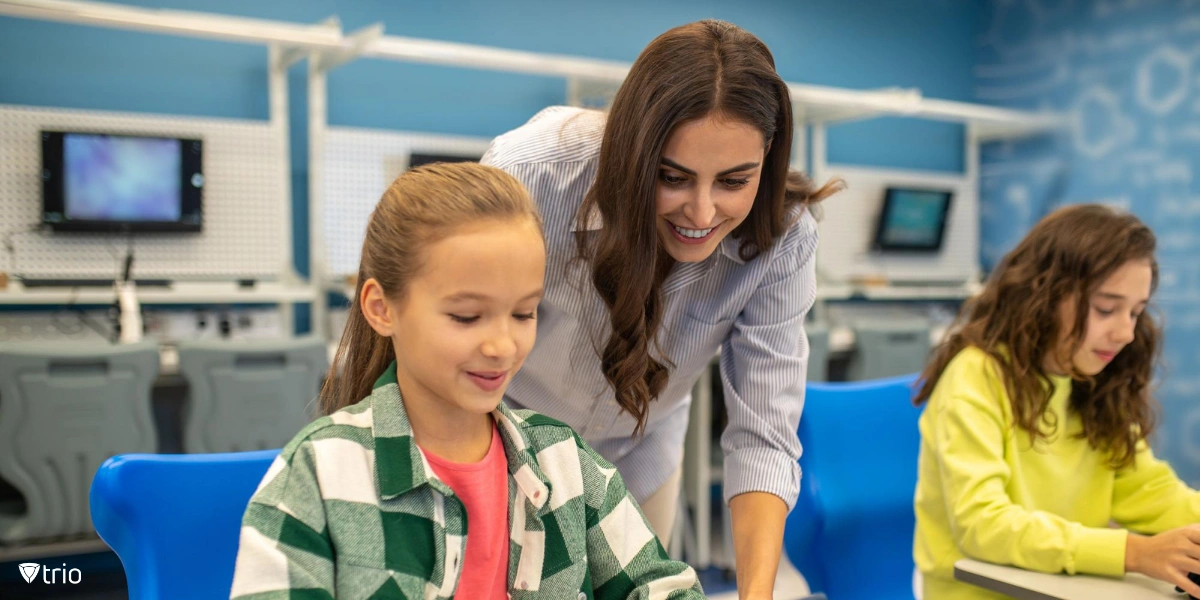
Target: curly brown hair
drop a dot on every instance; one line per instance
(1067, 256)
(687, 73)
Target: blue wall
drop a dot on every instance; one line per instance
(874, 43)
(1124, 73)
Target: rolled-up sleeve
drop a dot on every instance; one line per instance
(763, 368)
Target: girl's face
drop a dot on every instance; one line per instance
(1113, 311)
(467, 320)
(707, 181)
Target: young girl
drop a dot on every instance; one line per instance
(1039, 408)
(420, 483)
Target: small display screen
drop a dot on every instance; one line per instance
(111, 178)
(912, 219)
(97, 182)
(417, 159)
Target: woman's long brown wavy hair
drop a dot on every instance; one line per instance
(1015, 320)
(421, 206)
(692, 71)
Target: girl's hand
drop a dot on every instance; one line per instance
(1168, 556)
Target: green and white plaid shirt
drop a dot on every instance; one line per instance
(351, 509)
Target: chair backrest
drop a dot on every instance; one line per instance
(851, 532)
(889, 348)
(174, 519)
(249, 395)
(64, 409)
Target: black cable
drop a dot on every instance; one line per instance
(55, 317)
(128, 257)
(94, 326)
(81, 315)
(11, 248)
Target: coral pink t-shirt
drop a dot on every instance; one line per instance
(483, 489)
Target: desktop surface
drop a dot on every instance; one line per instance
(1032, 585)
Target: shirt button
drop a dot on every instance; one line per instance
(524, 585)
(582, 596)
(537, 494)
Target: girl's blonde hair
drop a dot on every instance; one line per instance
(422, 206)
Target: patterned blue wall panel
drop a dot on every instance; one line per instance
(1126, 73)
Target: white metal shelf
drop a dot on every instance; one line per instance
(470, 56)
(844, 291)
(216, 292)
(815, 104)
(821, 105)
(177, 22)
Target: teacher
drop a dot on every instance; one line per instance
(673, 229)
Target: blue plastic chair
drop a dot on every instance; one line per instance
(174, 520)
(851, 532)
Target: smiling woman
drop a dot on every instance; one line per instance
(674, 228)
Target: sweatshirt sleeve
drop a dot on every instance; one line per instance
(1148, 497)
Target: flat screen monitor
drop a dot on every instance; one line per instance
(110, 182)
(912, 220)
(417, 159)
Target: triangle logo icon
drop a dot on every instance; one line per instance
(29, 571)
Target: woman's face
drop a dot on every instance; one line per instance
(707, 180)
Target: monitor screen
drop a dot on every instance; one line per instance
(417, 159)
(912, 220)
(102, 182)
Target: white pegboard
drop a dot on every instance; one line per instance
(848, 227)
(359, 164)
(245, 204)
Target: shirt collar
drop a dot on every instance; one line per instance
(394, 441)
(729, 247)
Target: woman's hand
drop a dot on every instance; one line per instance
(1168, 556)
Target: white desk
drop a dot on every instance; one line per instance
(1031, 585)
(179, 292)
(168, 358)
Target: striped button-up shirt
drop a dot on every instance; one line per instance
(753, 311)
(352, 510)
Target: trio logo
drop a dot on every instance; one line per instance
(29, 572)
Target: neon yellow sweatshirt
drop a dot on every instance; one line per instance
(983, 492)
